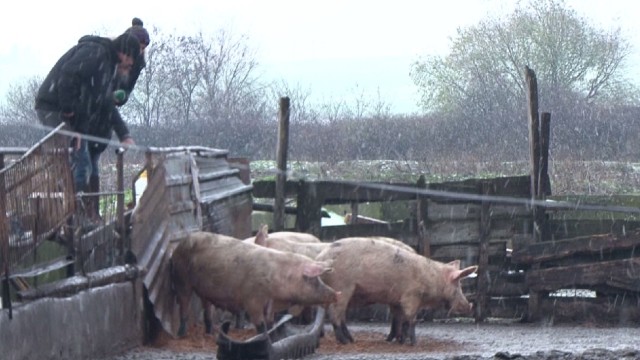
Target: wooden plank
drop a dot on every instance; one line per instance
(621, 274)
(468, 232)
(595, 244)
(394, 230)
(501, 286)
(601, 311)
(570, 228)
(452, 232)
(503, 186)
(448, 253)
(468, 211)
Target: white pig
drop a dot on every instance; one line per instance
(369, 271)
(236, 276)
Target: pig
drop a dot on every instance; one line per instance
(236, 276)
(291, 242)
(394, 242)
(298, 237)
(368, 271)
(288, 241)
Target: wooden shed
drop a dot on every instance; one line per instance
(188, 189)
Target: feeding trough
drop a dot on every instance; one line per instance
(283, 341)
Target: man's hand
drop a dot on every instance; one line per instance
(128, 142)
(78, 139)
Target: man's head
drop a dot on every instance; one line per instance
(128, 49)
(139, 32)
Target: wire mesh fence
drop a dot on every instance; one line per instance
(36, 199)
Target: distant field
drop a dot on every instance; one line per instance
(567, 177)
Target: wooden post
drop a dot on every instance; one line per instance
(544, 183)
(482, 300)
(302, 217)
(534, 133)
(281, 158)
(424, 245)
(309, 209)
(4, 243)
(533, 307)
(120, 242)
(354, 213)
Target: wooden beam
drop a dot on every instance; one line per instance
(481, 310)
(619, 274)
(534, 153)
(422, 220)
(281, 158)
(594, 244)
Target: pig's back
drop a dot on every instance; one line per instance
(310, 250)
(371, 267)
(294, 236)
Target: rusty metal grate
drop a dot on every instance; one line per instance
(36, 198)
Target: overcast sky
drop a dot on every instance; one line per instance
(335, 48)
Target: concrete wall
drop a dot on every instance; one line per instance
(91, 324)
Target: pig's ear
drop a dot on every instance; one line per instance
(461, 274)
(455, 264)
(315, 269)
(261, 236)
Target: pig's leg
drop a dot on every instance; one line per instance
(184, 297)
(255, 309)
(409, 330)
(396, 323)
(269, 315)
(345, 331)
(410, 312)
(208, 324)
(337, 315)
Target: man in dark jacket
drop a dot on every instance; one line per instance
(113, 120)
(79, 91)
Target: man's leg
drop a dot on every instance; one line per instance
(81, 165)
(94, 187)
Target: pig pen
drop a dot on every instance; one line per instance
(453, 339)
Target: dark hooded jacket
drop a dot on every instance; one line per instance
(82, 82)
(130, 82)
(114, 121)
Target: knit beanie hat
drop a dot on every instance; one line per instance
(138, 31)
(128, 45)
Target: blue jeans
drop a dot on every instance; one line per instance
(81, 165)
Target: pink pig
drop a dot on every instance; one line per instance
(369, 271)
(236, 276)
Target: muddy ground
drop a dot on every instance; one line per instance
(444, 340)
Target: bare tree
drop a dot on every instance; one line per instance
(20, 101)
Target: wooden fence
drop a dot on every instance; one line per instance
(488, 222)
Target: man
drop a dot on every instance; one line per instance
(79, 91)
(113, 120)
